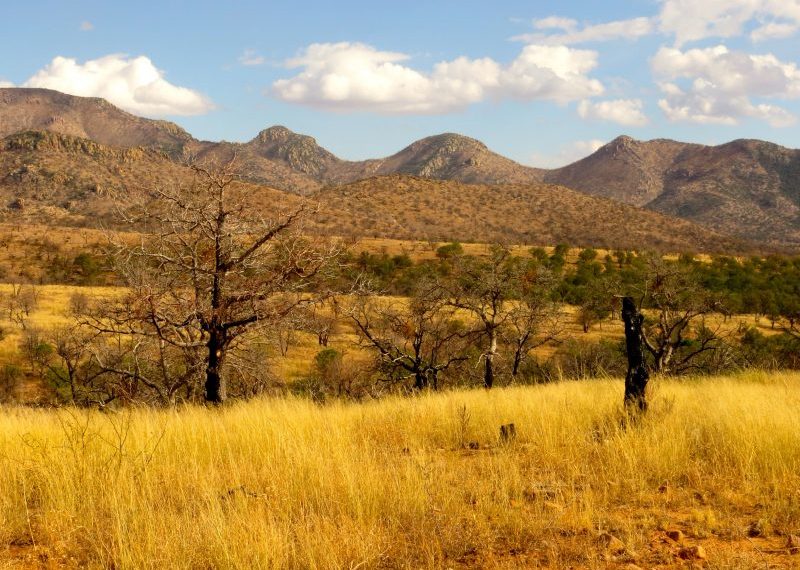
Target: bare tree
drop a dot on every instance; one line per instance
(70, 368)
(675, 332)
(418, 339)
(210, 270)
(534, 320)
(483, 287)
(22, 300)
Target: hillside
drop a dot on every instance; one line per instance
(91, 118)
(748, 189)
(60, 179)
(447, 156)
(282, 158)
(745, 188)
(407, 207)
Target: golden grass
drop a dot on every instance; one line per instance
(394, 484)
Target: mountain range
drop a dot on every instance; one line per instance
(746, 189)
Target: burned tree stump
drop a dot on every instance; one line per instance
(637, 375)
(508, 432)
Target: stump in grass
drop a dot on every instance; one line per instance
(637, 376)
(508, 433)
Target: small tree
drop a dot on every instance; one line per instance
(676, 333)
(483, 288)
(419, 339)
(534, 319)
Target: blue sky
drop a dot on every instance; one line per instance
(541, 82)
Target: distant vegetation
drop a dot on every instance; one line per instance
(557, 317)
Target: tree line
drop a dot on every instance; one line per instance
(214, 287)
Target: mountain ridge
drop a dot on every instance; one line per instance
(745, 188)
(65, 180)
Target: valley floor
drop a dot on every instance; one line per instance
(709, 478)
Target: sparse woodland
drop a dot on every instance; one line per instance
(314, 317)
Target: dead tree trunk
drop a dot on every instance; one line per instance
(488, 371)
(215, 387)
(637, 376)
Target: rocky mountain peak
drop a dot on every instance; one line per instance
(300, 152)
(278, 133)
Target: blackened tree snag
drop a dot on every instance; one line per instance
(637, 375)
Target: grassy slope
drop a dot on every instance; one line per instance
(287, 484)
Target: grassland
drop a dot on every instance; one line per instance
(419, 482)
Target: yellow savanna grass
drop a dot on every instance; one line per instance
(417, 482)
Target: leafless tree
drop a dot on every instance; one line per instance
(675, 330)
(534, 319)
(210, 269)
(70, 368)
(416, 339)
(483, 288)
(21, 301)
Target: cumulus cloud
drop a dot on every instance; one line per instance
(566, 154)
(719, 85)
(692, 20)
(570, 33)
(626, 112)
(250, 58)
(4, 83)
(773, 31)
(357, 77)
(134, 84)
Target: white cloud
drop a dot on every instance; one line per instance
(719, 84)
(626, 112)
(251, 57)
(566, 154)
(555, 23)
(692, 20)
(773, 31)
(620, 29)
(357, 77)
(86, 26)
(134, 84)
(4, 83)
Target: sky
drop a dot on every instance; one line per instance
(543, 83)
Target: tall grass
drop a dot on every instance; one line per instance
(400, 483)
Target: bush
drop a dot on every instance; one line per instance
(449, 251)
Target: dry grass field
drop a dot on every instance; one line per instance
(421, 482)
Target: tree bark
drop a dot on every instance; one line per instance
(215, 386)
(420, 380)
(637, 375)
(488, 371)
